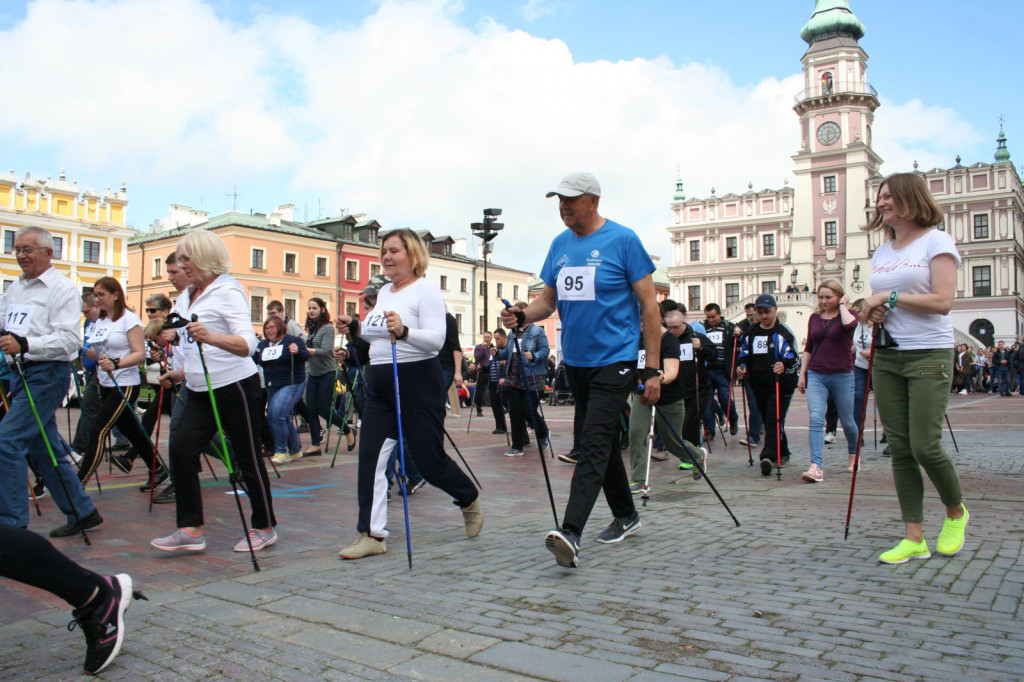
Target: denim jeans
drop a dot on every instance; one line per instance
(1020, 381)
(860, 383)
(21, 441)
(1002, 375)
(281, 401)
(840, 388)
(720, 385)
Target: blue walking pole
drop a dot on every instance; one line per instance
(401, 450)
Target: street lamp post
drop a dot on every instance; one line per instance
(486, 231)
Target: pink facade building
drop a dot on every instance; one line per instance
(728, 249)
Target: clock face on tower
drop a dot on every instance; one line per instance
(828, 133)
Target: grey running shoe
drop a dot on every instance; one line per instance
(619, 529)
(260, 539)
(179, 540)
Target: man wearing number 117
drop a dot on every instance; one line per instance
(598, 275)
(40, 313)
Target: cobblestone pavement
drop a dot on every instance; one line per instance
(691, 596)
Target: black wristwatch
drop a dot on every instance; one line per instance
(117, 362)
(649, 373)
(405, 333)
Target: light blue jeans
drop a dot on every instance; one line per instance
(819, 388)
(20, 440)
(281, 401)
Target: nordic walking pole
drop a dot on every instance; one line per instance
(472, 409)
(464, 462)
(948, 426)
(778, 422)
(31, 489)
(521, 320)
(856, 457)
(650, 446)
(224, 450)
(49, 447)
(350, 400)
(746, 423)
(729, 406)
(501, 403)
(696, 463)
(401, 450)
(330, 412)
(138, 422)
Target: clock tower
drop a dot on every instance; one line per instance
(836, 108)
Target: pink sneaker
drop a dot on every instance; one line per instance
(814, 474)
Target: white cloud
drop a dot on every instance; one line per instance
(535, 9)
(912, 131)
(410, 116)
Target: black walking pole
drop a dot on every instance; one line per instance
(521, 320)
(650, 446)
(49, 447)
(696, 463)
(950, 427)
(401, 451)
(464, 462)
(224, 448)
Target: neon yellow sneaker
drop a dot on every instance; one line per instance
(951, 537)
(905, 551)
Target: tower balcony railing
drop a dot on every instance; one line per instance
(820, 90)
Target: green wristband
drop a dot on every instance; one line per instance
(892, 299)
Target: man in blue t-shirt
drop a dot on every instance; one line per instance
(598, 276)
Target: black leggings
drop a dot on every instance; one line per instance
(31, 559)
(114, 411)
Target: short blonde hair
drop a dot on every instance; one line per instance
(835, 285)
(418, 255)
(207, 251)
(913, 202)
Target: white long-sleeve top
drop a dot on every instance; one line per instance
(421, 307)
(224, 308)
(46, 311)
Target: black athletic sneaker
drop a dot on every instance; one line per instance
(619, 529)
(571, 457)
(39, 489)
(103, 623)
(766, 467)
(565, 545)
(74, 528)
(165, 496)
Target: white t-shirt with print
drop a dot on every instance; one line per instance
(908, 271)
(110, 337)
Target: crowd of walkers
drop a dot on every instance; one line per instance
(642, 378)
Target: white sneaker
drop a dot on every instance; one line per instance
(963, 392)
(830, 437)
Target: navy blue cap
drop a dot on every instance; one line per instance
(765, 301)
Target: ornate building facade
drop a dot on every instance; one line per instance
(729, 249)
(89, 230)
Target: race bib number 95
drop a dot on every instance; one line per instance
(576, 283)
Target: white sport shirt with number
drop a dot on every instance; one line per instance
(46, 311)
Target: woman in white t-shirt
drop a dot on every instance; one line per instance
(117, 344)
(913, 275)
(410, 314)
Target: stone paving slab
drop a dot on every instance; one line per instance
(691, 596)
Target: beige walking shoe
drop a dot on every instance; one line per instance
(363, 547)
(474, 518)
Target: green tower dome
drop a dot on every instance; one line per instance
(1002, 153)
(832, 19)
(680, 195)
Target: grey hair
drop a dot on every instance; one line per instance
(159, 301)
(43, 237)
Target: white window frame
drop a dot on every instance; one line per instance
(284, 262)
(327, 266)
(158, 264)
(263, 258)
(99, 258)
(355, 263)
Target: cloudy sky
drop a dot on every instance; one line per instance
(422, 113)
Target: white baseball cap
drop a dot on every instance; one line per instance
(575, 184)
